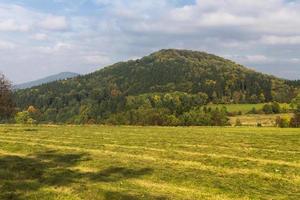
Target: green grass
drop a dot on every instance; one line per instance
(245, 108)
(268, 120)
(100, 162)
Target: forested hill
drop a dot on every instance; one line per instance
(166, 71)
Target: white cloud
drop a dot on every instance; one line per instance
(40, 36)
(56, 23)
(295, 60)
(59, 47)
(257, 59)
(251, 59)
(12, 25)
(281, 40)
(7, 45)
(225, 19)
(97, 59)
(102, 2)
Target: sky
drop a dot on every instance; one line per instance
(44, 37)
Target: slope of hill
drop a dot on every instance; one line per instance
(174, 80)
(60, 76)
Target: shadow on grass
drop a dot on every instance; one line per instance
(109, 195)
(113, 174)
(20, 176)
(30, 130)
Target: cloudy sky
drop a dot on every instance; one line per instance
(44, 37)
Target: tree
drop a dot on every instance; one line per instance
(237, 96)
(267, 108)
(262, 97)
(24, 118)
(7, 106)
(276, 107)
(253, 99)
(295, 121)
(34, 113)
(219, 117)
(296, 103)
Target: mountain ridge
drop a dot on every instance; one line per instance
(47, 79)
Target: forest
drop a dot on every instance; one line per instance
(168, 87)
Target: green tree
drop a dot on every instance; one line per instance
(295, 121)
(275, 107)
(253, 99)
(262, 97)
(7, 106)
(24, 118)
(267, 109)
(296, 103)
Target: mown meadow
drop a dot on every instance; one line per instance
(103, 162)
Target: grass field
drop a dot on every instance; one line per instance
(263, 119)
(99, 162)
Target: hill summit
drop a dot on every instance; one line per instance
(167, 71)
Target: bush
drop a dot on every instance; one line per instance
(275, 107)
(295, 121)
(24, 118)
(272, 108)
(238, 122)
(259, 125)
(267, 109)
(282, 122)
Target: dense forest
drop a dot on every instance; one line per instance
(168, 86)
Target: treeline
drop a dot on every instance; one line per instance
(270, 108)
(170, 109)
(294, 83)
(166, 109)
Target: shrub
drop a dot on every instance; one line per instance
(238, 122)
(259, 125)
(282, 122)
(275, 107)
(267, 108)
(24, 118)
(295, 121)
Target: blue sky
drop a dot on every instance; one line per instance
(43, 37)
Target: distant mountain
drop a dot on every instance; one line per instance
(175, 80)
(48, 79)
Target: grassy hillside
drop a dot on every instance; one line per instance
(98, 162)
(165, 72)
